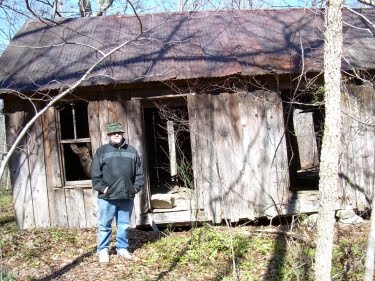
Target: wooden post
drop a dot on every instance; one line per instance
(172, 148)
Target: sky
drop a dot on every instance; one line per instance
(11, 22)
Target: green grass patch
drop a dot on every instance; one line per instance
(203, 253)
(5, 199)
(349, 258)
(6, 277)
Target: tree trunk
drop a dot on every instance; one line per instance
(104, 6)
(369, 264)
(329, 163)
(85, 8)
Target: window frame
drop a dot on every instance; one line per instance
(69, 183)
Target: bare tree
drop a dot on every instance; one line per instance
(104, 6)
(85, 8)
(68, 90)
(367, 2)
(369, 261)
(329, 163)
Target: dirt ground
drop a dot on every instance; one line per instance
(70, 254)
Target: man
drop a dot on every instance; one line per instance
(117, 174)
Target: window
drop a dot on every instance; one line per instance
(75, 144)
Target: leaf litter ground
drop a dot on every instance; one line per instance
(204, 253)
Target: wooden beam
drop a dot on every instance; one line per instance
(172, 148)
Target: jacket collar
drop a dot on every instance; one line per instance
(122, 145)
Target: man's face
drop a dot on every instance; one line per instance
(116, 138)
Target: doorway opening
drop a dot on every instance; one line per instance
(304, 131)
(168, 146)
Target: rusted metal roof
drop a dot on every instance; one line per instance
(178, 46)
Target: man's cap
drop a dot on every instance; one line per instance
(114, 128)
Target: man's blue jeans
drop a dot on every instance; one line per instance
(108, 210)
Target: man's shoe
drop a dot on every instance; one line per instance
(104, 255)
(125, 254)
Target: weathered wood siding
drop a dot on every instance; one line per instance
(5, 179)
(77, 207)
(19, 169)
(357, 162)
(306, 138)
(27, 168)
(134, 117)
(239, 154)
(37, 170)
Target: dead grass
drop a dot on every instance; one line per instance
(203, 253)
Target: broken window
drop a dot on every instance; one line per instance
(75, 144)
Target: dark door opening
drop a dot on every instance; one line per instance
(304, 128)
(168, 145)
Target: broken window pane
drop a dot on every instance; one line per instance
(75, 142)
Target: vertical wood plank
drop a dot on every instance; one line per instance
(366, 113)
(195, 147)
(38, 175)
(282, 171)
(112, 106)
(19, 171)
(53, 174)
(94, 125)
(90, 196)
(103, 120)
(277, 190)
(356, 172)
(239, 195)
(91, 207)
(209, 160)
(346, 161)
(368, 150)
(246, 114)
(122, 116)
(80, 206)
(75, 208)
(357, 135)
(135, 135)
(51, 155)
(241, 147)
(265, 153)
(344, 153)
(305, 133)
(251, 124)
(200, 128)
(59, 217)
(223, 151)
(172, 148)
(72, 215)
(256, 176)
(370, 111)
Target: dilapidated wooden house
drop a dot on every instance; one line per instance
(225, 108)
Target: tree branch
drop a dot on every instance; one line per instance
(104, 7)
(69, 90)
(367, 2)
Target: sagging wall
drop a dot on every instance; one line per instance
(239, 154)
(39, 197)
(27, 169)
(357, 161)
(239, 157)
